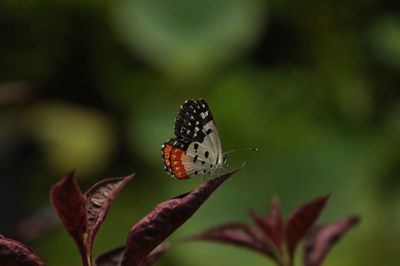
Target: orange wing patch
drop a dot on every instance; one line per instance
(166, 157)
(172, 157)
(176, 163)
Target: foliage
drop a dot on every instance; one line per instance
(278, 240)
(82, 215)
(94, 85)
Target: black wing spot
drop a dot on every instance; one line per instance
(203, 162)
(195, 172)
(195, 158)
(196, 146)
(191, 114)
(208, 132)
(206, 154)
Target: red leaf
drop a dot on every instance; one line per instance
(165, 218)
(301, 220)
(238, 234)
(82, 215)
(275, 217)
(154, 255)
(114, 257)
(99, 199)
(320, 240)
(70, 205)
(37, 225)
(13, 253)
(272, 226)
(111, 258)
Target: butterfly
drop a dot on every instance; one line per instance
(196, 148)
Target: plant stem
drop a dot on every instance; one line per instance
(285, 258)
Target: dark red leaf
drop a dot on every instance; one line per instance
(82, 215)
(37, 225)
(301, 220)
(154, 255)
(114, 257)
(275, 218)
(13, 253)
(320, 240)
(272, 226)
(99, 199)
(70, 205)
(165, 218)
(238, 234)
(111, 258)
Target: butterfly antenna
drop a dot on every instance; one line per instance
(242, 149)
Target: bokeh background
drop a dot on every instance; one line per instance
(95, 86)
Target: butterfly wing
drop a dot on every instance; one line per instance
(197, 148)
(173, 155)
(195, 122)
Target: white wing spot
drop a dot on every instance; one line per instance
(203, 115)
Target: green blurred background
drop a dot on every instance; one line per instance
(95, 86)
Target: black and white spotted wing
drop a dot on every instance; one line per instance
(197, 148)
